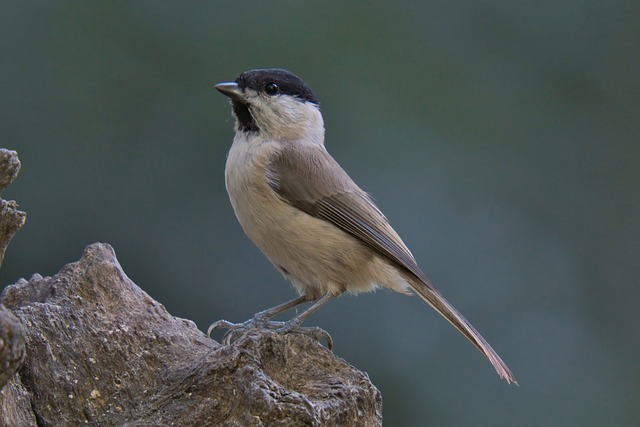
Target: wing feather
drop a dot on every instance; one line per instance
(312, 181)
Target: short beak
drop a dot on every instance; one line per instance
(231, 90)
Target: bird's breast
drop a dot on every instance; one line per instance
(263, 215)
(314, 254)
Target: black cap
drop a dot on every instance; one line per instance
(286, 82)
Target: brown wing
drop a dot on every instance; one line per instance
(311, 180)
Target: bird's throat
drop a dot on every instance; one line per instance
(246, 121)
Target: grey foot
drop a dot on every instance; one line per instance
(236, 330)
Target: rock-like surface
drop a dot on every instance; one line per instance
(89, 347)
(9, 167)
(11, 219)
(100, 351)
(12, 336)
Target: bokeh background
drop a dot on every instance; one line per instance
(501, 138)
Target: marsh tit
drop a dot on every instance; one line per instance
(305, 213)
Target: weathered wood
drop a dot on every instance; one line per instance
(11, 219)
(92, 348)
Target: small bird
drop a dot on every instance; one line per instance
(307, 216)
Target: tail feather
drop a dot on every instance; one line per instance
(428, 293)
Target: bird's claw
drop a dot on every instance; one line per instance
(220, 324)
(314, 332)
(236, 330)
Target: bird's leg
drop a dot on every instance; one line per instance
(294, 325)
(263, 320)
(266, 315)
(259, 320)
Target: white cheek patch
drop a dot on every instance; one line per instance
(285, 117)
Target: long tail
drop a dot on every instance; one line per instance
(428, 293)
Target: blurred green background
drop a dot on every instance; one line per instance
(501, 138)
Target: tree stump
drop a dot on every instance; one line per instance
(89, 347)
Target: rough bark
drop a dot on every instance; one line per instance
(11, 219)
(90, 347)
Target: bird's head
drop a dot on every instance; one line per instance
(275, 103)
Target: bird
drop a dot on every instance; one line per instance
(307, 216)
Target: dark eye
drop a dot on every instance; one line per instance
(271, 88)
